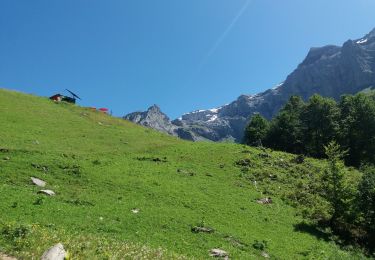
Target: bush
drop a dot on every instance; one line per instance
(15, 235)
(366, 204)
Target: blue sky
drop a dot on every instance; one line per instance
(180, 54)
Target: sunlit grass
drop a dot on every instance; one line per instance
(102, 168)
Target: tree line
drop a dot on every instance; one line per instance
(341, 132)
(307, 127)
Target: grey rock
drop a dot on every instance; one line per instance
(216, 252)
(198, 229)
(38, 182)
(329, 71)
(57, 252)
(265, 201)
(47, 192)
(135, 210)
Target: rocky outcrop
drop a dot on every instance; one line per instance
(329, 71)
(156, 119)
(153, 118)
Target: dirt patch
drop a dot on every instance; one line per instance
(5, 257)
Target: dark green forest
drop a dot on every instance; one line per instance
(343, 133)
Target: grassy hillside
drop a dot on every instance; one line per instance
(102, 167)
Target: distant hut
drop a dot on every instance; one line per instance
(59, 97)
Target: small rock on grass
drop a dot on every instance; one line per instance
(184, 172)
(6, 257)
(197, 229)
(6, 158)
(135, 211)
(265, 201)
(216, 252)
(57, 252)
(265, 255)
(38, 182)
(47, 192)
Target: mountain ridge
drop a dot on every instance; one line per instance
(329, 71)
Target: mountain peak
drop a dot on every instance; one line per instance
(371, 34)
(316, 53)
(154, 108)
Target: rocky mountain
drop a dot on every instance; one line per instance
(152, 118)
(156, 119)
(329, 71)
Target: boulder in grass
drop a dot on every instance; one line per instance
(47, 192)
(216, 252)
(38, 182)
(57, 252)
(265, 201)
(198, 229)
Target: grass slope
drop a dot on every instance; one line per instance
(102, 167)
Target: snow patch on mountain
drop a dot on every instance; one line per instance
(212, 118)
(278, 86)
(362, 41)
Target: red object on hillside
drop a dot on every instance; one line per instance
(104, 110)
(56, 97)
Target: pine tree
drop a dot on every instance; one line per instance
(285, 131)
(256, 131)
(320, 124)
(357, 132)
(334, 181)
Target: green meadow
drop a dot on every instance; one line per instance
(103, 168)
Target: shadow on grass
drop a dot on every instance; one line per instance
(312, 230)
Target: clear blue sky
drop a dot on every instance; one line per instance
(182, 55)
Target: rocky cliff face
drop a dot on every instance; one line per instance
(329, 71)
(152, 118)
(156, 119)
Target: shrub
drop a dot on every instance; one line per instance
(366, 204)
